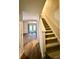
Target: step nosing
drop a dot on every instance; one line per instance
(52, 38)
(49, 33)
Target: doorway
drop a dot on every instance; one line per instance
(32, 30)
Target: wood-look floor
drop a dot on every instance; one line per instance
(35, 52)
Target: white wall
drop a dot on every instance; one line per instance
(41, 37)
(28, 16)
(51, 14)
(21, 37)
(25, 27)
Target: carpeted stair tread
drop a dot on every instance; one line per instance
(52, 44)
(54, 55)
(48, 28)
(48, 33)
(52, 48)
(46, 56)
(51, 40)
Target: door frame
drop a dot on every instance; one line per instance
(32, 24)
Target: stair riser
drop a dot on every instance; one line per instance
(49, 32)
(50, 35)
(51, 41)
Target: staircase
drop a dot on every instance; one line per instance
(51, 42)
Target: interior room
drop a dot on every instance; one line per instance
(39, 29)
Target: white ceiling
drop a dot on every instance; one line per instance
(31, 8)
